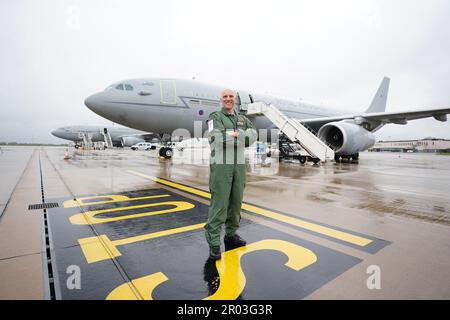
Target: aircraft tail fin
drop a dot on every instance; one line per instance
(379, 100)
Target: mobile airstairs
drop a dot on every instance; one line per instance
(293, 129)
(107, 138)
(87, 139)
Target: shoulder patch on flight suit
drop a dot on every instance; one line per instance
(210, 122)
(210, 125)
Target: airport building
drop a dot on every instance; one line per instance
(423, 145)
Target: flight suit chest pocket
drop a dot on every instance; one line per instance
(228, 124)
(240, 123)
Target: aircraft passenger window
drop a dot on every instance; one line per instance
(119, 86)
(128, 87)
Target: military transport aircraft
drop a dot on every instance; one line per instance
(164, 106)
(120, 136)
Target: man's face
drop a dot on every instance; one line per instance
(228, 99)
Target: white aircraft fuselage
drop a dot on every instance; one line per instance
(163, 106)
(120, 136)
(176, 107)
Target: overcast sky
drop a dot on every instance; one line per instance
(55, 53)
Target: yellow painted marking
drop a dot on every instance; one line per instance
(158, 234)
(144, 286)
(98, 248)
(79, 202)
(341, 235)
(102, 248)
(88, 217)
(232, 278)
(200, 193)
(330, 232)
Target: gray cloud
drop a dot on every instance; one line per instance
(330, 52)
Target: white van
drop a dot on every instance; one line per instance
(193, 144)
(144, 146)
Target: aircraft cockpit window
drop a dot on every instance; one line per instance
(109, 88)
(128, 87)
(119, 86)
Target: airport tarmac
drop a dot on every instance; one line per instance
(126, 224)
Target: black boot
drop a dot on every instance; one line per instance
(234, 241)
(214, 253)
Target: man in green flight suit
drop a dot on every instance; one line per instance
(229, 134)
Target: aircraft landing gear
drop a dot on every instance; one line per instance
(166, 152)
(355, 157)
(349, 158)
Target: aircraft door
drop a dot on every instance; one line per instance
(168, 92)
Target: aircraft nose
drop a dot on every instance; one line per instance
(93, 102)
(98, 103)
(55, 133)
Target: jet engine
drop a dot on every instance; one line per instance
(346, 138)
(129, 141)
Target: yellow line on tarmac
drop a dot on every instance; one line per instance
(78, 202)
(327, 231)
(158, 234)
(89, 217)
(175, 185)
(102, 248)
(337, 234)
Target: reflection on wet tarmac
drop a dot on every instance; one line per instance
(400, 201)
(381, 184)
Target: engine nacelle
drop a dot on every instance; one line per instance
(346, 138)
(129, 141)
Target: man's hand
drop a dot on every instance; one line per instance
(233, 134)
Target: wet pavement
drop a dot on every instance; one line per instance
(372, 230)
(13, 160)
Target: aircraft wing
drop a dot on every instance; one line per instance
(384, 117)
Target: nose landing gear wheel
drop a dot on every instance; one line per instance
(169, 153)
(166, 152)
